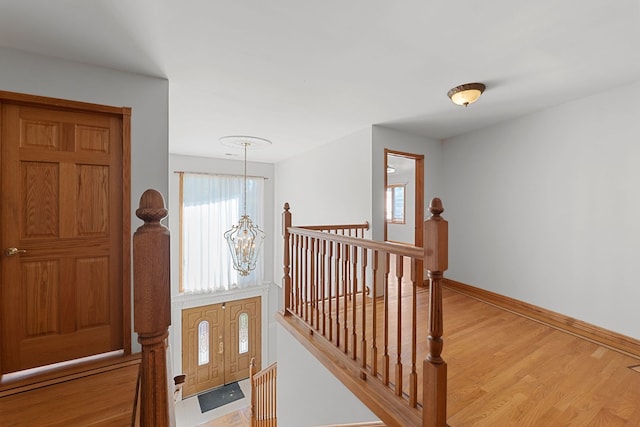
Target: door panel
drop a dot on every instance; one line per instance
(222, 354)
(242, 325)
(62, 203)
(202, 362)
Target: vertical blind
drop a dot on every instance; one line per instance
(211, 204)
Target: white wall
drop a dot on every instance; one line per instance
(147, 96)
(327, 185)
(382, 138)
(310, 395)
(546, 209)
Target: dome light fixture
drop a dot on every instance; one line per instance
(466, 94)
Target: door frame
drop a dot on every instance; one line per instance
(124, 114)
(418, 239)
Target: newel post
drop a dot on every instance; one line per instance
(436, 242)
(152, 307)
(286, 261)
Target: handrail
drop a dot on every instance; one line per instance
(336, 228)
(389, 247)
(325, 277)
(152, 308)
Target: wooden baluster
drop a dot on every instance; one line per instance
(354, 289)
(305, 277)
(323, 284)
(286, 279)
(385, 357)
(413, 376)
(299, 278)
(300, 262)
(260, 398)
(374, 323)
(345, 292)
(337, 283)
(330, 280)
(274, 393)
(318, 283)
(152, 307)
(313, 286)
(363, 277)
(399, 274)
(436, 238)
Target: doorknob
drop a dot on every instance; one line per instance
(13, 251)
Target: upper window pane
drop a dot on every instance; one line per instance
(395, 204)
(211, 205)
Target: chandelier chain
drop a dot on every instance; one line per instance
(244, 205)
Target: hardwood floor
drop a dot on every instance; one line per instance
(505, 369)
(239, 418)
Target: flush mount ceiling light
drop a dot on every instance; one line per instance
(466, 94)
(245, 239)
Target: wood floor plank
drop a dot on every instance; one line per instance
(530, 374)
(506, 369)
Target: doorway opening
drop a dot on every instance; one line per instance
(404, 199)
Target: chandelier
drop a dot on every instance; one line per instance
(245, 238)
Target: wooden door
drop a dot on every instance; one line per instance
(218, 342)
(243, 338)
(202, 348)
(64, 287)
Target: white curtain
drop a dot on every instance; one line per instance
(211, 204)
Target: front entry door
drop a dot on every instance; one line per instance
(218, 342)
(62, 235)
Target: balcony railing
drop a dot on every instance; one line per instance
(363, 298)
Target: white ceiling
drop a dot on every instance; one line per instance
(304, 73)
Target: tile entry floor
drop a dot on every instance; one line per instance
(234, 414)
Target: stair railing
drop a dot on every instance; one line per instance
(355, 293)
(263, 395)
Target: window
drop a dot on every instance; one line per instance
(211, 204)
(395, 203)
(243, 333)
(203, 343)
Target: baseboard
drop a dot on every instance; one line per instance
(605, 337)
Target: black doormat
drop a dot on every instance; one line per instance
(220, 396)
